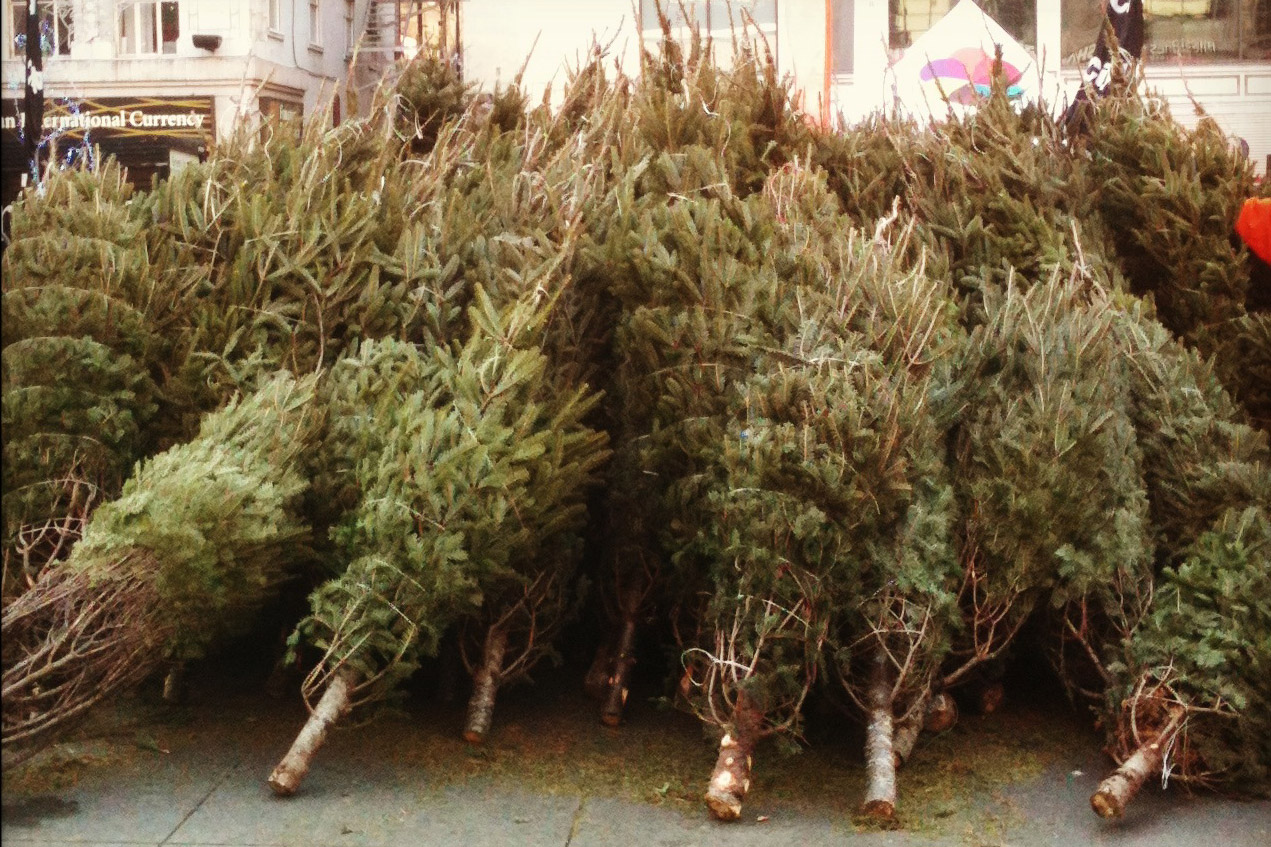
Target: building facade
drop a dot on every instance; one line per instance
(1215, 53)
(156, 83)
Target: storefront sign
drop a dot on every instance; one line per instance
(119, 118)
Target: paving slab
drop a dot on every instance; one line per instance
(606, 822)
(198, 780)
(1054, 811)
(143, 801)
(360, 813)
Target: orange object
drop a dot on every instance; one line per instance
(1254, 226)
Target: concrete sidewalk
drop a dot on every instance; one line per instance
(200, 780)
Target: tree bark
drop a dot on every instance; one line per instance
(620, 678)
(333, 706)
(942, 713)
(596, 682)
(731, 778)
(485, 686)
(1116, 792)
(174, 684)
(880, 755)
(990, 697)
(908, 729)
(939, 713)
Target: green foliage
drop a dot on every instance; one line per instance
(468, 463)
(215, 521)
(1208, 644)
(1200, 457)
(884, 392)
(430, 93)
(1172, 196)
(90, 310)
(1049, 475)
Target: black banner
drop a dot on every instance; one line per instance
(1123, 30)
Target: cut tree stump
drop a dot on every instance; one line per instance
(485, 686)
(1119, 788)
(174, 687)
(333, 706)
(938, 714)
(730, 779)
(990, 698)
(942, 713)
(620, 679)
(880, 753)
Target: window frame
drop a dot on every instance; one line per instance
(155, 10)
(61, 12)
(315, 25)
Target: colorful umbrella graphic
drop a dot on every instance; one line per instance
(968, 75)
(951, 65)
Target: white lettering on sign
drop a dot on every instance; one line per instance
(125, 119)
(147, 120)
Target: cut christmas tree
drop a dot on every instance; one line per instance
(199, 538)
(1191, 701)
(447, 507)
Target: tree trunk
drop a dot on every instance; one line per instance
(1116, 792)
(620, 679)
(485, 686)
(731, 778)
(938, 714)
(880, 755)
(334, 705)
(908, 729)
(596, 682)
(942, 713)
(174, 684)
(990, 697)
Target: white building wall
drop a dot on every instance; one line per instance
(548, 37)
(250, 60)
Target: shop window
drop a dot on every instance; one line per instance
(911, 18)
(719, 20)
(56, 28)
(1179, 31)
(1206, 30)
(280, 116)
(147, 28)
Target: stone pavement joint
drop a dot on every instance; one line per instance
(202, 800)
(577, 822)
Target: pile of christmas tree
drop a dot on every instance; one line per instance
(877, 399)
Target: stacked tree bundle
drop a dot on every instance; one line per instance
(826, 530)
(470, 467)
(878, 400)
(1182, 692)
(198, 539)
(1173, 196)
(1191, 700)
(91, 312)
(673, 250)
